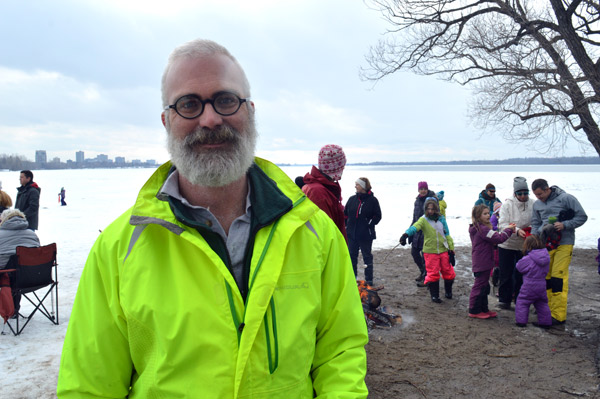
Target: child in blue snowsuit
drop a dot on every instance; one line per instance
(534, 266)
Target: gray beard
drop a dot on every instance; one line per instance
(214, 168)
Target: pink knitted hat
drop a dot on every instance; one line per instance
(332, 161)
(497, 206)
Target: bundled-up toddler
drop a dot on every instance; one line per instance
(534, 267)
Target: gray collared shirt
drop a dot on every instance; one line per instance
(239, 231)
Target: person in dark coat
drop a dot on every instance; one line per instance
(417, 239)
(534, 267)
(28, 198)
(362, 213)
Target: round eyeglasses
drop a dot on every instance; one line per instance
(192, 106)
(521, 193)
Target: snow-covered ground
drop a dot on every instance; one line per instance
(30, 361)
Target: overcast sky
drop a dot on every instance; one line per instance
(85, 75)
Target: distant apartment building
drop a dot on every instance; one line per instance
(56, 160)
(79, 158)
(136, 162)
(150, 162)
(102, 158)
(119, 160)
(40, 157)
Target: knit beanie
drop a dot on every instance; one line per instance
(422, 184)
(520, 184)
(490, 186)
(332, 161)
(440, 195)
(497, 206)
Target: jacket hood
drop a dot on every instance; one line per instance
(540, 256)
(15, 223)
(484, 195)
(31, 184)
(472, 229)
(316, 176)
(556, 191)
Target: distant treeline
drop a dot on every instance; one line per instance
(16, 162)
(510, 161)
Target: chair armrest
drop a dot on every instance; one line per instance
(7, 270)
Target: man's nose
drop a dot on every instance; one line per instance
(210, 118)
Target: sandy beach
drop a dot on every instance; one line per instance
(439, 352)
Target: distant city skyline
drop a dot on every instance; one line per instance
(41, 157)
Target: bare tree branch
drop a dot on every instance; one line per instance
(534, 67)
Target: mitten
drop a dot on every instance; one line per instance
(452, 258)
(403, 239)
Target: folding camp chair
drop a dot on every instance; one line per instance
(34, 272)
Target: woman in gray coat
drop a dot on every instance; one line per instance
(14, 233)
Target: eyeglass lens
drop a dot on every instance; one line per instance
(521, 193)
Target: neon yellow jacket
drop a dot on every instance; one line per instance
(159, 315)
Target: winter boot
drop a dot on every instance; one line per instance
(434, 290)
(369, 274)
(448, 288)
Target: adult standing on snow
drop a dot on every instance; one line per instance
(556, 203)
(321, 184)
(222, 281)
(362, 213)
(518, 210)
(28, 198)
(488, 197)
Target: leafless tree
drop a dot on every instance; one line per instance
(533, 64)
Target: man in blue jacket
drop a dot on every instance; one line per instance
(555, 211)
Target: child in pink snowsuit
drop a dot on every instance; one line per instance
(534, 266)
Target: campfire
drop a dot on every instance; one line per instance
(375, 314)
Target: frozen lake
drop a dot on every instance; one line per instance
(96, 196)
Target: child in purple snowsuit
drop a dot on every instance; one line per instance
(483, 240)
(534, 266)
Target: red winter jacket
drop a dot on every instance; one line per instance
(327, 195)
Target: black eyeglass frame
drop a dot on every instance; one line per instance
(521, 193)
(210, 101)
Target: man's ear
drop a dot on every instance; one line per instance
(162, 118)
